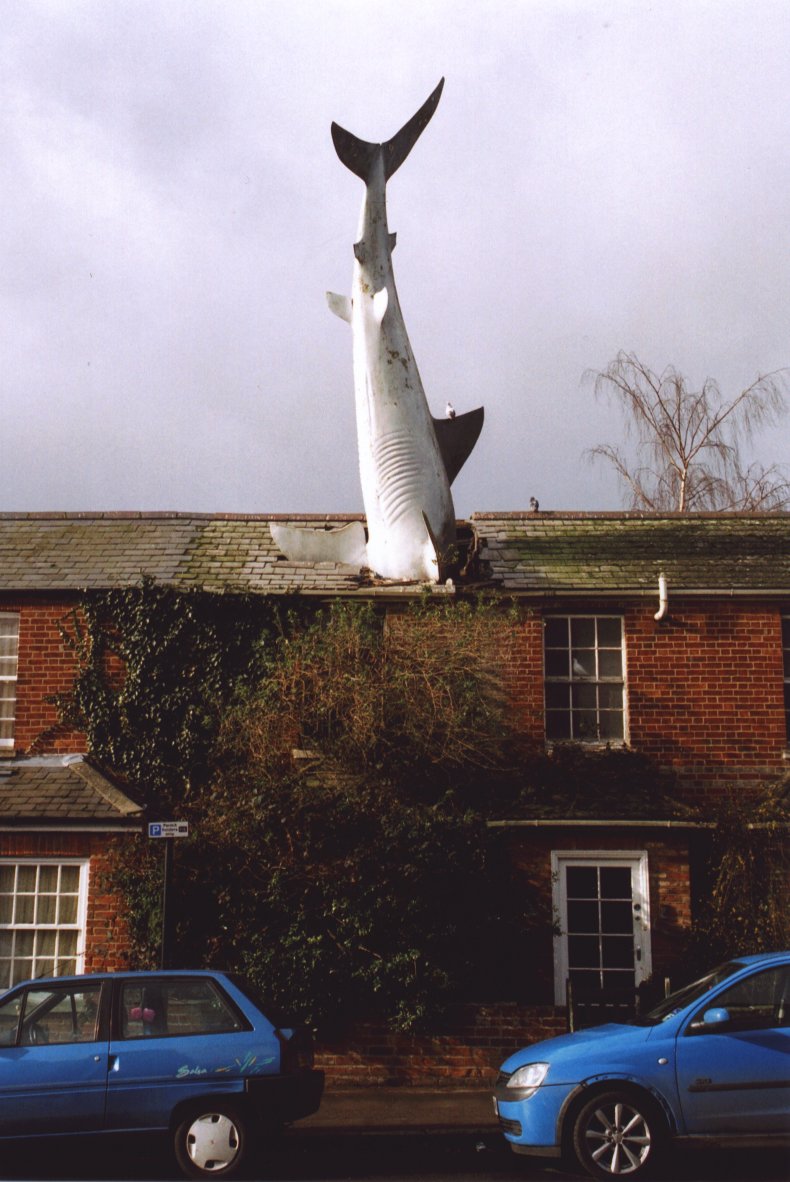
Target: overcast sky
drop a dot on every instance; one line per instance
(599, 175)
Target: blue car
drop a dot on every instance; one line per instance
(195, 1054)
(710, 1063)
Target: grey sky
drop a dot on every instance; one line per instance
(598, 176)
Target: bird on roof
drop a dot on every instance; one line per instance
(449, 410)
(534, 504)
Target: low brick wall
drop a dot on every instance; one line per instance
(474, 1041)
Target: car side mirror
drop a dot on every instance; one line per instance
(716, 1016)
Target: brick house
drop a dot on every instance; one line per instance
(698, 680)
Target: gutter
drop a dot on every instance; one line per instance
(592, 823)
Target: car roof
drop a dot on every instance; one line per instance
(81, 978)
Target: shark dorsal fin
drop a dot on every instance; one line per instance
(456, 438)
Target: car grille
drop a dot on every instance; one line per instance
(510, 1126)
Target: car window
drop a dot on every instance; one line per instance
(58, 1014)
(161, 1008)
(760, 1002)
(687, 994)
(10, 1009)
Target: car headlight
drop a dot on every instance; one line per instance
(531, 1075)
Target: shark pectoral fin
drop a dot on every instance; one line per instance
(346, 546)
(456, 438)
(380, 303)
(393, 241)
(431, 550)
(340, 305)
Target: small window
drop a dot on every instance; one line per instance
(9, 658)
(161, 1008)
(584, 679)
(786, 656)
(42, 919)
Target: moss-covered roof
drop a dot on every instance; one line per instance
(67, 791)
(521, 553)
(556, 553)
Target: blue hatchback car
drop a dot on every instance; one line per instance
(195, 1054)
(711, 1062)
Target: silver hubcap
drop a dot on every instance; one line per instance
(618, 1139)
(213, 1142)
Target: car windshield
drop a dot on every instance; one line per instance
(688, 994)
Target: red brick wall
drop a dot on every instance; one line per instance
(46, 667)
(706, 692)
(476, 1041)
(107, 944)
(704, 688)
(668, 883)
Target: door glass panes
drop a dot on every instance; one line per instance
(40, 926)
(9, 652)
(600, 929)
(583, 661)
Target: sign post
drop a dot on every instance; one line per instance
(167, 830)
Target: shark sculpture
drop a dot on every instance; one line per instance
(407, 458)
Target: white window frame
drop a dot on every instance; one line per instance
(570, 680)
(643, 961)
(10, 621)
(79, 925)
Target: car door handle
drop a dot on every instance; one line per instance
(112, 1062)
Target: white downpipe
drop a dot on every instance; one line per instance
(663, 600)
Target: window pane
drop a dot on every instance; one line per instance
(610, 663)
(618, 952)
(583, 632)
(67, 911)
(585, 724)
(6, 908)
(610, 632)
(584, 697)
(556, 634)
(558, 724)
(611, 725)
(26, 878)
(7, 877)
(69, 879)
(583, 662)
(616, 917)
(557, 696)
(615, 882)
(610, 697)
(581, 882)
(25, 909)
(48, 879)
(46, 911)
(557, 663)
(583, 951)
(582, 917)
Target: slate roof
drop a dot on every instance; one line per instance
(64, 791)
(522, 553)
(584, 553)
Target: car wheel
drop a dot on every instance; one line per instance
(212, 1142)
(616, 1133)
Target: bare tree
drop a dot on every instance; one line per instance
(687, 454)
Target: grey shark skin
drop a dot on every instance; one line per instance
(407, 459)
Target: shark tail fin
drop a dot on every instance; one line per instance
(456, 438)
(359, 155)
